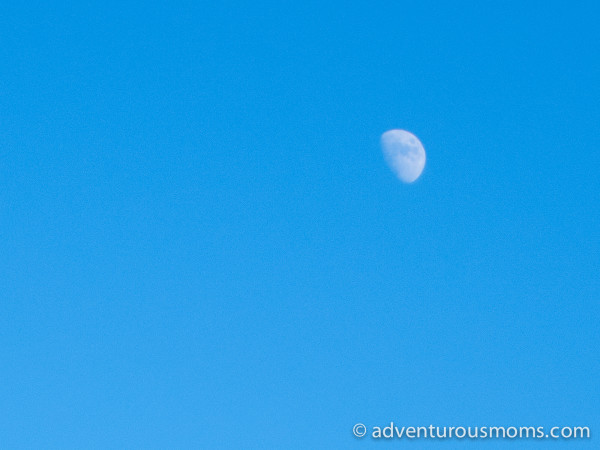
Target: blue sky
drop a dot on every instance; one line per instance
(202, 246)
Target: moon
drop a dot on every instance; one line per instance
(404, 153)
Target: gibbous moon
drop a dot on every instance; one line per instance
(404, 153)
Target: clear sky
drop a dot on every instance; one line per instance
(202, 246)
